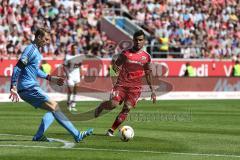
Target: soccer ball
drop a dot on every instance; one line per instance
(126, 133)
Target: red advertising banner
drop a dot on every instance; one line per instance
(203, 68)
(211, 84)
(6, 66)
(175, 68)
(178, 84)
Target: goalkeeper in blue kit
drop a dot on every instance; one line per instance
(24, 84)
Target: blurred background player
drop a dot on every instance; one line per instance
(72, 70)
(190, 71)
(236, 69)
(24, 84)
(46, 67)
(134, 63)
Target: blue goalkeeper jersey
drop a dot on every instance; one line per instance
(26, 77)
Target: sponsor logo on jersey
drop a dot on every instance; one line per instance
(24, 60)
(144, 58)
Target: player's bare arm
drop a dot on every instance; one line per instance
(16, 72)
(120, 61)
(57, 80)
(148, 75)
(65, 69)
(54, 79)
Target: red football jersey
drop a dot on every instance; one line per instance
(133, 68)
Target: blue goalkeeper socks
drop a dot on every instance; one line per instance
(63, 120)
(47, 120)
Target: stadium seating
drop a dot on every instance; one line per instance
(189, 28)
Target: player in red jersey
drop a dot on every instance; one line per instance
(131, 66)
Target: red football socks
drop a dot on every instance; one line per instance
(120, 118)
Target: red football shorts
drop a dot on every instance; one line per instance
(126, 94)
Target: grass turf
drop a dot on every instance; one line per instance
(167, 130)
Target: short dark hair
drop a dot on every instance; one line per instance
(41, 32)
(138, 33)
(73, 45)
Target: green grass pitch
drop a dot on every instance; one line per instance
(168, 130)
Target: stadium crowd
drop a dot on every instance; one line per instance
(69, 22)
(195, 28)
(201, 28)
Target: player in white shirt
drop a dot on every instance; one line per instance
(72, 69)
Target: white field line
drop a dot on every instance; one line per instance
(129, 151)
(67, 146)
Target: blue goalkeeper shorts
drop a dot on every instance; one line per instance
(34, 96)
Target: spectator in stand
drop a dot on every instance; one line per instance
(2, 47)
(164, 41)
(10, 48)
